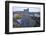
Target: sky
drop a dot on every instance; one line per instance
(31, 9)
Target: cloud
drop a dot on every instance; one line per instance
(31, 9)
